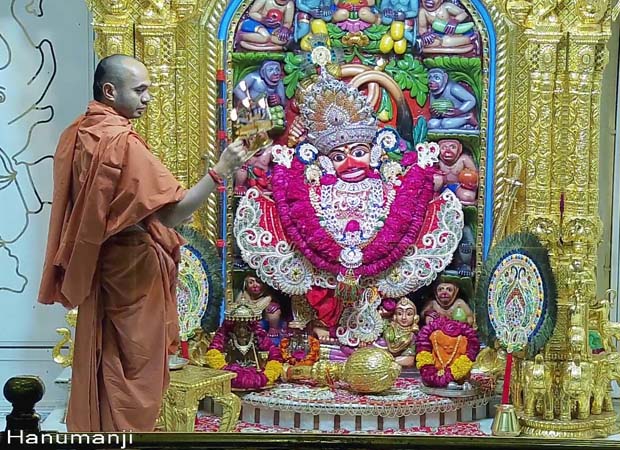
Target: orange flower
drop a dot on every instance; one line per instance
(311, 357)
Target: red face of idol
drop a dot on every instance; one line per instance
(351, 161)
(254, 286)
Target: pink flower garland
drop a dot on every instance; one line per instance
(247, 377)
(452, 328)
(398, 234)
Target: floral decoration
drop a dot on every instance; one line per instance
(306, 152)
(399, 232)
(215, 359)
(428, 154)
(247, 377)
(437, 373)
(300, 357)
(282, 155)
(387, 139)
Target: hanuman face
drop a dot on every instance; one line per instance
(445, 293)
(271, 73)
(437, 80)
(351, 161)
(450, 150)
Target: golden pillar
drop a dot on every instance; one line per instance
(113, 26)
(544, 59)
(156, 47)
(565, 48)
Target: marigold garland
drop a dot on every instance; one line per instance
(215, 359)
(460, 367)
(273, 370)
(298, 358)
(424, 359)
(247, 377)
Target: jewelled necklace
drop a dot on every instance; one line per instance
(243, 349)
(365, 202)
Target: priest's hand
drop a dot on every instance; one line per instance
(231, 159)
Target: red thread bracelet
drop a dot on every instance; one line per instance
(216, 177)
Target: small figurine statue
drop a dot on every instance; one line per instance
(268, 25)
(400, 15)
(266, 81)
(605, 370)
(311, 19)
(458, 171)
(254, 294)
(447, 304)
(444, 30)
(257, 296)
(276, 326)
(255, 173)
(462, 263)
(537, 384)
(399, 334)
(354, 15)
(446, 350)
(241, 345)
(576, 388)
(452, 106)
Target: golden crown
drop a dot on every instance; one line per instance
(242, 312)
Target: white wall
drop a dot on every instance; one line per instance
(46, 66)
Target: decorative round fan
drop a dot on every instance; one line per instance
(516, 299)
(199, 292)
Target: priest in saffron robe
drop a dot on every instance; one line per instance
(112, 251)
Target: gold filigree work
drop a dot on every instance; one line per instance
(190, 385)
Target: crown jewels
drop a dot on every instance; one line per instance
(337, 114)
(242, 312)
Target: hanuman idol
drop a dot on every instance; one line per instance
(352, 219)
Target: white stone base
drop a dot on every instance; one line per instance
(332, 422)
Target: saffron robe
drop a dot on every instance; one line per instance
(107, 254)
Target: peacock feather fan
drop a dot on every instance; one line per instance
(516, 299)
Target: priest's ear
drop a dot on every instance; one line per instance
(108, 90)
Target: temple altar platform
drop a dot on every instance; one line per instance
(208, 423)
(406, 406)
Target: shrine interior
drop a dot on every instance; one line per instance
(420, 246)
